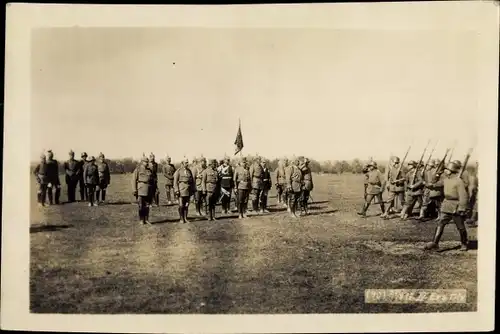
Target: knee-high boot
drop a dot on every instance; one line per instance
(464, 240)
(437, 237)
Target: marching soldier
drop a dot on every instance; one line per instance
(281, 182)
(365, 171)
(53, 178)
(465, 174)
(374, 188)
(413, 191)
(155, 192)
(210, 187)
(71, 170)
(104, 179)
(294, 186)
(226, 176)
(41, 180)
(81, 168)
(395, 188)
(453, 208)
(168, 172)
(142, 181)
(307, 185)
(427, 201)
(199, 200)
(91, 176)
(266, 186)
(435, 185)
(243, 185)
(256, 175)
(184, 187)
(473, 191)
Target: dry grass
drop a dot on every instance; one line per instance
(99, 260)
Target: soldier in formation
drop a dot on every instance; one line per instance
(473, 192)
(374, 188)
(42, 181)
(168, 172)
(281, 182)
(266, 186)
(91, 177)
(395, 177)
(307, 185)
(227, 183)
(54, 184)
(256, 177)
(142, 183)
(81, 181)
(197, 174)
(210, 183)
(184, 188)
(453, 208)
(155, 193)
(431, 194)
(294, 186)
(71, 170)
(243, 186)
(414, 189)
(104, 179)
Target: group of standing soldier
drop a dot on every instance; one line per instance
(447, 193)
(92, 177)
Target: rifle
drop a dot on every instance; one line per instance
(466, 160)
(428, 160)
(451, 154)
(412, 182)
(402, 163)
(440, 167)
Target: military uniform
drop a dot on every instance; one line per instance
(210, 183)
(71, 169)
(414, 191)
(168, 172)
(430, 204)
(155, 193)
(227, 183)
(294, 187)
(453, 208)
(307, 186)
(184, 187)
(256, 176)
(281, 182)
(473, 198)
(243, 185)
(42, 180)
(266, 186)
(91, 177)
(81, 168)
(395, 178)
(141, 185)
(104, 178)
(199, 199)
(365, 171)
(374, 188)
(53, 178)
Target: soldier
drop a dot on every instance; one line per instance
(307, 185)
(235, 188)
(465, 175)
(199, 200)
(210, 182)
(226, 175)
(168, 172)
(428, 204)
(414, 190)
(435, 186)
(53, 178)
(256, 176)
(365, 171)
(374, 188)
(71, 170)
(453, 208)
(266, 186)
(41, 175)
(294, 186)
(184, 187)
(395, 188)
(104, 179)
(91, 177)
(243, 185)
(155, 193)
(473, 191)
(288, 171)
(141, 185)
(193, 167)
(81, 169)
(281, 182)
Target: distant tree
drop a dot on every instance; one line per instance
(356, 166)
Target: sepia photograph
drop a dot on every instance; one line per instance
(252, 165)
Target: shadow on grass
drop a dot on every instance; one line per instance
(48, 228)
(121, 203)
(276, 209)
(318, 213)
(319, 202)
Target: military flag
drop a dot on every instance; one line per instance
(238, 141)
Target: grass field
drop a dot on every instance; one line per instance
(100, 260)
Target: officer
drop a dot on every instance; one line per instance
(374, 188)
(414, 190)
(71, 170)
(243, 185)
(155, 192)
(395, 187)
(168, 172)
(266, 186)
(141, 185)
(104, 179)
(200, 199)
(256, 176)
(184, 188)
(41, 175)
(428, 204)
(281, 182)
(210, 183)
(453, 208)
(226, 179)
(91, 176)
(81, 169)
(294, 186)
(307, 185)
(53, 178)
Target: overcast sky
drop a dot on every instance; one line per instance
(326, 94)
